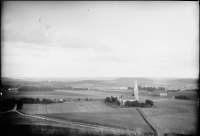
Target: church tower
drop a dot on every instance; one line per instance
(136, 91)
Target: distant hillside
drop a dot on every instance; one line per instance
(105, 82)
(131, 81)
(186, 81)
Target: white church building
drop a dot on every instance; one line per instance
(127, 97)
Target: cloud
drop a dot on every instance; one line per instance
(47, 26)
(8, 21)
(112, 57)
(30, 36)
(14, 64)
(35, 38)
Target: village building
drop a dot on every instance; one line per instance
(129, 97)
(123, 88)
(61, 100)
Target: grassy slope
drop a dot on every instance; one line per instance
(17, 125)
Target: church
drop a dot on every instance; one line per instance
(127, 97)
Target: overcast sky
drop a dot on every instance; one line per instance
(100, 39)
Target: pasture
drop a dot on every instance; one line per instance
(68, 107)
(174, 116)
(122, 118)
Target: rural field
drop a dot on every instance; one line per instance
(174, 116)
(121, 118)
(168, 115)
(67, 107)
(64, 94)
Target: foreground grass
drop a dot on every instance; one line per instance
(63, 131)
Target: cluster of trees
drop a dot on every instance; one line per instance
(148, 88)
(112, 100)
(63, 88)
(149, 102)
(36, 88)
(138, 104)
(161, 88)
(182, 97)
(36, 101)
(134, 104)
(194, 90)
(69, 88)
(9, 104)
(155, 95)
(47, 101)
(88, 99)
(82, 88)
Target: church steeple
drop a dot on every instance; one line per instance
(136, 91)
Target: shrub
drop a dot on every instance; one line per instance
(107, 99)
(149, 102)
(142, 105)
(113, 99)
(128, 104)
(118, 103)
(135, 103)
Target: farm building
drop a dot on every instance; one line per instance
(129, 97)
(123, 88)
(61, 100)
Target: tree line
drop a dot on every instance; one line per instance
(37, 101)
(115, 101)
(70, 88)
(182, 97)
(148, 88)
(42, 88)
(139, 104)
(36, 88)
